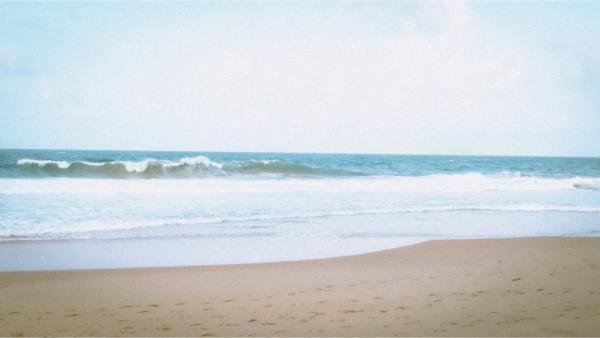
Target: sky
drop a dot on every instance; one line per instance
(489, 78)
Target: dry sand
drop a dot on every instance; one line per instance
(492, 287)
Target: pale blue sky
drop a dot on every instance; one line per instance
(378, 77)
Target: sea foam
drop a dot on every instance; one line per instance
(472, 182)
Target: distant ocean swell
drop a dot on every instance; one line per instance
(187, 167)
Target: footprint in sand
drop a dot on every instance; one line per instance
(351, 311)
(268, 324)
(127, 330)
(315, 314)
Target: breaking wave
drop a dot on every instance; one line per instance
(187, 167)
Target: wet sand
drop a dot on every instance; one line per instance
(490, 287)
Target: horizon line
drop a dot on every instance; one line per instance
(307, 152)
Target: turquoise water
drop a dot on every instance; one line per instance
(60, 194)
(142, 164)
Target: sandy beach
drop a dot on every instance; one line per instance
(488, 287)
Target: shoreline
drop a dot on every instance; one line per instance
(326, 237)
(179, 251)
(414, 241)
(537, 286)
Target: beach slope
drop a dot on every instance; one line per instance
(488, 287)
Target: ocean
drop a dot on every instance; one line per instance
(339, 203)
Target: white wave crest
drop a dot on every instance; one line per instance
(133, 167)
(43, 163)
(202, 160)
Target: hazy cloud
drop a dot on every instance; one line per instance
(432, 82)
